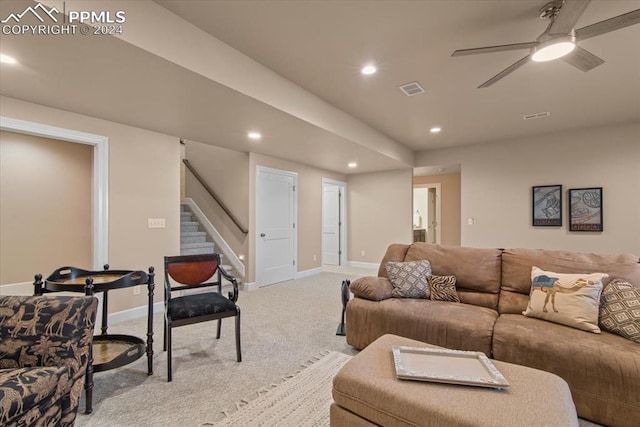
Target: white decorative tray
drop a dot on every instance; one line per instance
(442, 365)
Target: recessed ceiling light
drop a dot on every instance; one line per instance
(435, 129)
(367, 70)
(254, 135)
(352, 165)
(6, 59)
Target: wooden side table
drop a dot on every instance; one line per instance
(108, 351)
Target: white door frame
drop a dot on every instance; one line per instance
(438, 187)
(295, 217)
(100, 176)
(343, 219)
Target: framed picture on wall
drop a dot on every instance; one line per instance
(546, 202)
(585, 209)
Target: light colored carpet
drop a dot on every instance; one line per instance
(302, 400)
(283, 327)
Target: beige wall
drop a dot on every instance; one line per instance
(227, 173)
(144, 182)
(309, 209)
(45, 206)
(379, 213)
(450, 205)
(497, 180)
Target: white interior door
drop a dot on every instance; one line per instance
(275, 225)
(331, 224)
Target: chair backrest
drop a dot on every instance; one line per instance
(191, 271)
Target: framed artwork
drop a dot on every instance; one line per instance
(547, 205)
(585, 209)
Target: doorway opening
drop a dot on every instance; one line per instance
(427, 212)
(100, 185)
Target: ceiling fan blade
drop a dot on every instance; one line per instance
(568, 16)
(510, 69)
(489, 49)
(582, 59)
(608, 25)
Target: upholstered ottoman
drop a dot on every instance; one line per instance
(366, 392)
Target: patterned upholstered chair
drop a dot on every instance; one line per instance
(45, 343)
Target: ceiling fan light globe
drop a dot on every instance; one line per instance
(553, 49)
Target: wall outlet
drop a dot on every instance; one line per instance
(315, 257)
(471, 221)
(361, 253)
(136, 290)
(155, 223)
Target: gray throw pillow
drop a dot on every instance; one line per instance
(409, 279)
(620, 310)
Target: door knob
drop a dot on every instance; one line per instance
(262, 235)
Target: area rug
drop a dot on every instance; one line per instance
(302, 399)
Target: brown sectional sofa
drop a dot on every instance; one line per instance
(602, 370)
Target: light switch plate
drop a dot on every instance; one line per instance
(155, 223)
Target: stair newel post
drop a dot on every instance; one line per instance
(37, 284)
(150, 286)
(88, 382)
(105, 304)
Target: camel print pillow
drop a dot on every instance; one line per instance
(569, 299)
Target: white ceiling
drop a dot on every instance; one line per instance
(320, 46)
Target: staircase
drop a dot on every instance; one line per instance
(193, 241)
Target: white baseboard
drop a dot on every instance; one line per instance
(249, 286)
(135, 313)
(24, 288)
(359, 264)
(307, 273)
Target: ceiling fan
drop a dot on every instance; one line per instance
(560, 38)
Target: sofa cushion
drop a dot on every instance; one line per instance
(603, 370)
(620, 310)
(568, 299)
(477, 271)
(28, 394)
(447, 324)
(395, 253)
(409, 279)
(517, 264)
(443, 288)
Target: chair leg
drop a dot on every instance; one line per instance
(219, 328)
(238, 351)
(164, 336)
(168, 336)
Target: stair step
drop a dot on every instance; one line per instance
(185, 216)
(193, 237)
(197, 248)
(186, 227)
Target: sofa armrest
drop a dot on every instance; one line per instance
(371, 288)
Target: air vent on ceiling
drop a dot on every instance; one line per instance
(413, 88)
(536, 115)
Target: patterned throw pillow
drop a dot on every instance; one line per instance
(409, 279)
(620, 310)
(569, 299)
(443, 288)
